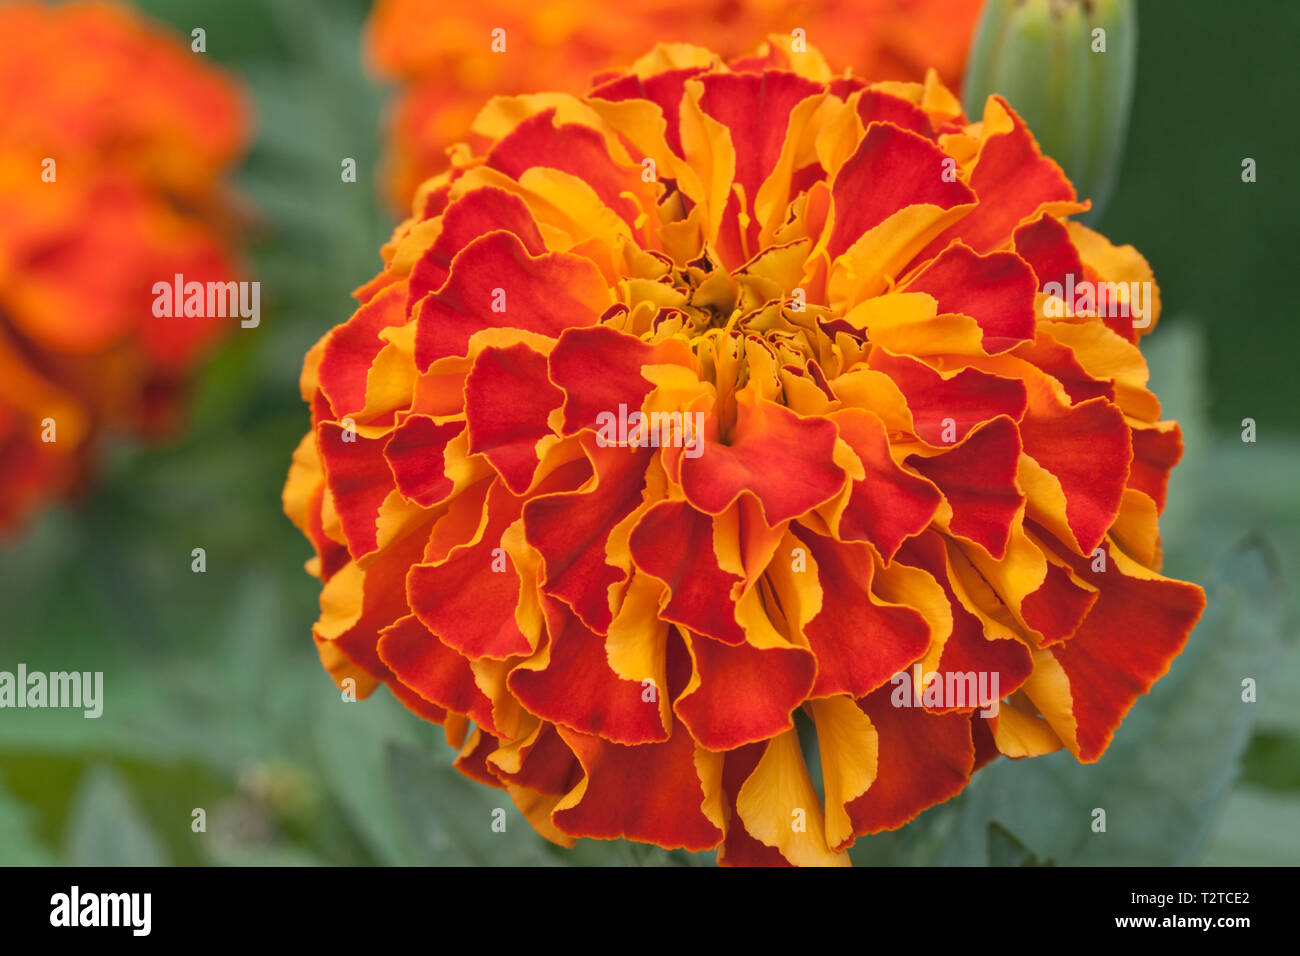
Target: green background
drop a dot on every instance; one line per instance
(214, 695)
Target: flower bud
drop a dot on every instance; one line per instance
(1067, 67)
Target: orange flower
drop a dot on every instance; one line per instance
(113, 137)
(727, 396)
(446, 64)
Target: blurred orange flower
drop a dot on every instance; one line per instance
(113, 141)
(448, 62)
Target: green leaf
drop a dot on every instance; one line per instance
(277, 855)
(454, 821)
(1006, 850)
(107, 828)
(1273, 760)
(919, 843)
(352, 740)
(1258, 829)
(392, 774)
(18, 844)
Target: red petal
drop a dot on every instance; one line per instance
(782, 459)
(745, 693)
(417, 704)
(674, 542)
(620, 801)
(986, 748)
(415, 453)
(967, 399)
(1155, 452)
(664, 89)
(434, 671)
(352, 347)
(359, 480)
(1135, 630)
(548, 767)
(508, 397)
(1056, 609)
(1087, 448)
(923, 759)
(1060, 362)
(436, 201)
(890, 170)
(1012, 178)
(475, 214)
(968, 650)
(859, 642)
(978, 479)
(875, 106)
(570, 530)
(599, 369)
(547, 294)
(889, 504)
(736, 99)
(571, 148)
(1045, 244)
(577, 687)
(383, 602)
(474, 764)
(464, 601)
(333, 556)
(995, 290)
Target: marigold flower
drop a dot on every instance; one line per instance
(113, 137)
(447, 65)
(909, 458)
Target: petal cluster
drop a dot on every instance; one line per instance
(448, 62)
(732, 418)
(113, 140)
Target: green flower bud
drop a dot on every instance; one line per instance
(1067, 67)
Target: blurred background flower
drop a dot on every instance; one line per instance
(114, 141)
(214, 700)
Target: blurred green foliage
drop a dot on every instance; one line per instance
(1216, 84)
(215, 699)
